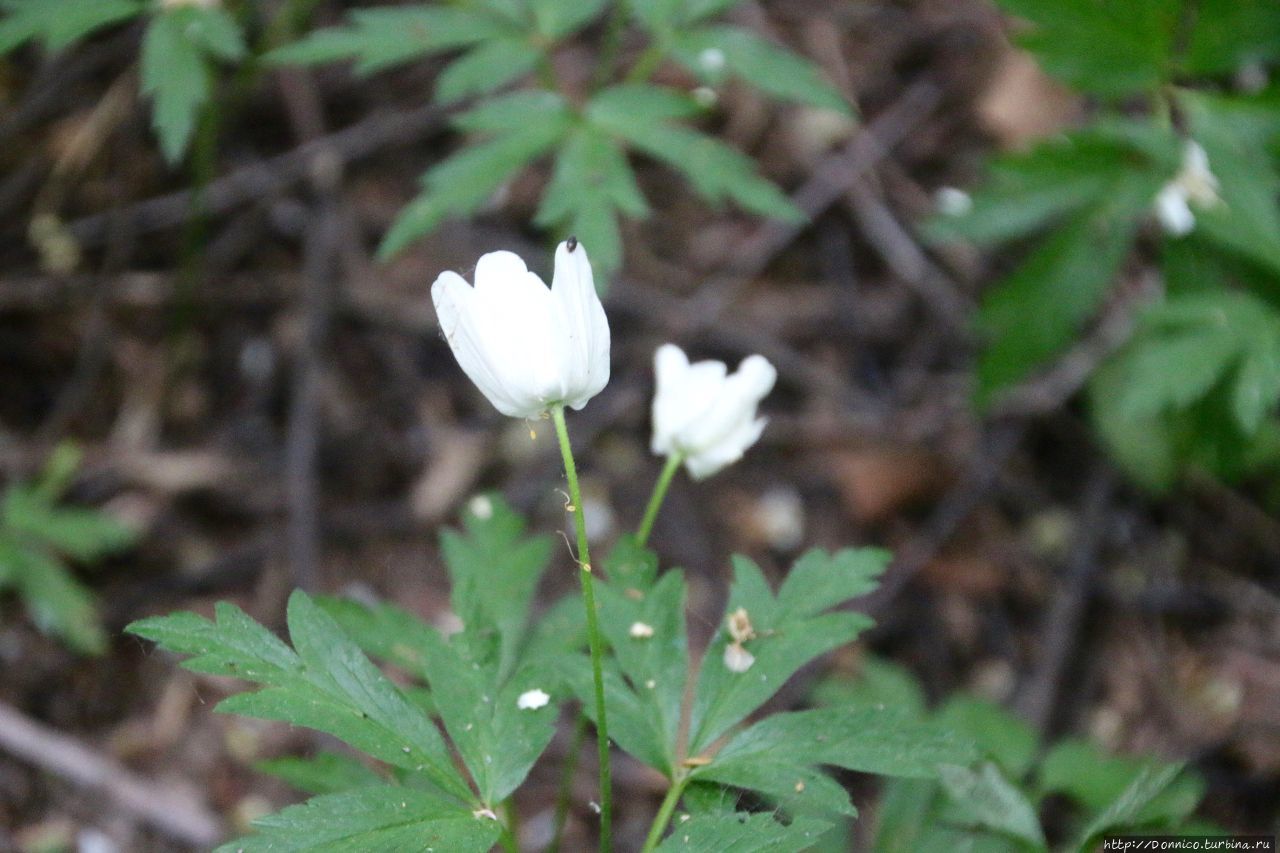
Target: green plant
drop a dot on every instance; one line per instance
(995, 803)
(591, 137)
(1168, 143)
(37, 538)
(184, 42)
(473, 683)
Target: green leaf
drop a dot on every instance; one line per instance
(556, 19)
(868, 740)
(58, 24)
(985, 798)
(1035, 312)
(82, 534)
(58, 603)
(1001, 736)
(716, 171)
(820, 579)
(1062, 176)
(459, 185)
(327, 684)
(879, 684)
(1229, 34)
(487, 68)
(384, 631)
(1127, 809)
(373, 820)
(770, 68)
(647, 635)
(1082, 771)
(382, 38)
(326, 773)
(498, 741)
(213, 30)
(177, 78)
(741, 833)
(591, 183)
(1110, 48)
(784, 642)
(494, 569)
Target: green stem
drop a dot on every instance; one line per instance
(566, 781)
(593, 628)
(510, 829)
(665, 811)
(658, 496)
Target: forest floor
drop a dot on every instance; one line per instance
(273, 408)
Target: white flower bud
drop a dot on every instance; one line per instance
(705, 414)
(526, 347)
(1193, 185)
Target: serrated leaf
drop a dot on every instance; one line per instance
(635, 105)
(769, 67)
(494, 568)
(512, 112)
(384, 631)
(486, 68)
(794, 787)
(373, 820)
(176, 76)
(378, 39)
(654, 662)
(741, 833)
(62, 23)
(868, 740)
(716, 171)
(592, 180)
(821, 579)
(324, 773)
(328, 684)
(878, 684)
(1035, 312)
(1110, 48)
(984, 798)
(783, 644)
(459, 185)
(212, 29)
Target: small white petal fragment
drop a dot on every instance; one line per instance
(705, 97)
(712, 59)
(531, 700)
(484, 813)
(703, 412)
(481, 507)
(1194, 186)
(641, 631)
(952, 201)
(737, 659)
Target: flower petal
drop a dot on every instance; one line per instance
(586, 328)
(456, 304)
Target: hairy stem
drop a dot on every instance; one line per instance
(665, 811)
(658, 496)
(593, 628)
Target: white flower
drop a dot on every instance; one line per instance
(705, 414)
(525, 347)
(531, 700)
(1194, 184)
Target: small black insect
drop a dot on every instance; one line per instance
(571, 243)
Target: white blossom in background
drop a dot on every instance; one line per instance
(1193, 185)
(711, 59)
(531, 700)
(526, 347)
(703, 412)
